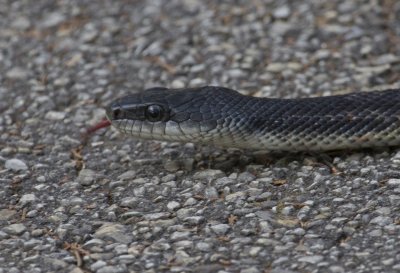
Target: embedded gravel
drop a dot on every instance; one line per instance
(115, 204)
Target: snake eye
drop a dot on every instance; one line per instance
(154, 113)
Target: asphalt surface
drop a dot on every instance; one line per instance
(115, 204)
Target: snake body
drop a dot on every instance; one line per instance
(224, 117)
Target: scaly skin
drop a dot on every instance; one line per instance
(223, 117)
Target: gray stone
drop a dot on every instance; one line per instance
(94, 242)
(37, 232)
(171, 165)
(387, 58)
(27, 198)
(177, 84)
(190, 202)
(282, 12)
(89, 35)
(381, 220)
(185, 212)
(224, 181)
(388, 262)
(197, 68)
(121, 249)
(394, 200)
(97, 265)
(265, 215)
(112, 269)
(202, 246)
(184, 244)
(375, 233)
(126, 259)
(115, 232)
(86, 177)
(3, 235)
(287, 210)
(194, 220)
(75, 201)
(18, 73)
(7, 214)
(246, 177)
(208, 174)
(130, 202)
(254, 251)
(156, 216)
(276, 67)
(197, 82)
(311, 259)
(322, 54)
(234, 196)
(373, 70)
(393, 182)
(336, 269)
(16, 165)
(168, 178)
(211, 193)
(21, 23)
(383, 210)
(220, 229)
(140, 180)
(128, 175)
(236, 73)
(173, 205)
(299, 231)
(15, 229)
(55, 115)
(180, 235)
(52, 19)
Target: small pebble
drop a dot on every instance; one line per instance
(16, 165)
(86, 177)
(15, 229)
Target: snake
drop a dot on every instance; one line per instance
(223, 117)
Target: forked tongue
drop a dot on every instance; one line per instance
(102, 124)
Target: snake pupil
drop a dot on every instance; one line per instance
(154, 113)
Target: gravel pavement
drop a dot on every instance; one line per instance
(115, 204)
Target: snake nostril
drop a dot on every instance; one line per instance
(116, 113)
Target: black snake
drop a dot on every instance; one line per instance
(224, 117)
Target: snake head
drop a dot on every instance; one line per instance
(147, 105)
(167, 114)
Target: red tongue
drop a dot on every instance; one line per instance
(102, 124)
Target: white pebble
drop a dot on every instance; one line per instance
(16, 165)
(394, 182)
(55, 115)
